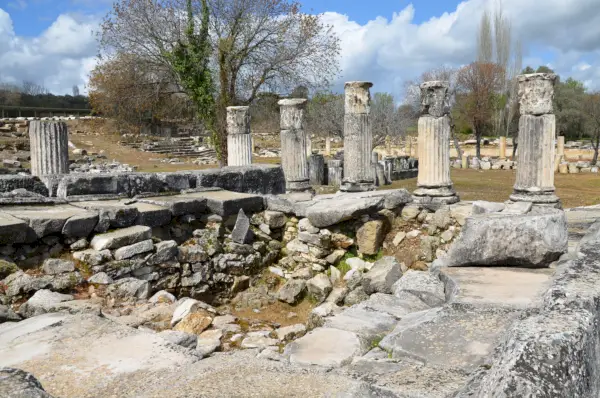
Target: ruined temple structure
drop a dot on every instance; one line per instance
(537, 131)
(166, 284)
(433, 182)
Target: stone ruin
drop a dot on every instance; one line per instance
(133, 284)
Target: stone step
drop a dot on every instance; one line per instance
(50, 220)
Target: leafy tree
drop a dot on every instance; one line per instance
(568, 99)
(591, 109)
(528, 70)
(544, 69)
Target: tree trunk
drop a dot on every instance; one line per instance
(596, 146)
(478, 132)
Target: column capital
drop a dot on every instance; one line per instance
(434, 98)
(238, 120)
(536, 93)
(357, 97)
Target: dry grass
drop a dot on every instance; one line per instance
(496, 185)
(278, 312)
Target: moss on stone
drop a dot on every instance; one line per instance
(7, 268)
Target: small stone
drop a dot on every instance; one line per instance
(130, 288)
(176, 337)
(318, 315)
(80, 244)
(188, 306)
(370, 236)
(291, 332)
(259, 340)
(93, 257)
(209, 341)
(410, 213)
(305, 225)
(382, 276)
(334, 275)
(274, 219)
(101, 278)
(194, 323)
(447, 235)
(162, 297)
(242, 233)
(126, 252)
(337, 295)
(55, 266)
(291, 292)
(441, 218)
(277, 271)
(413, 234)
(358, 264)
(341, 241)
(319, 287)
(399, 238)
(265, 228)
(356, 296)
(335, 257)
(424, 285)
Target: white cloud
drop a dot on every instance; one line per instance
(389, 52)
(62, 56)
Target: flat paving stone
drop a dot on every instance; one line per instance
(326, 347)
(227, 203)
(456, 336)
(365, 322)
(500, 287)
(121, 237)
(47, 220)
(179, 205)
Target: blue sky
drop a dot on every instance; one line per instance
(388, 42)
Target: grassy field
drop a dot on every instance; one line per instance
(496, 185)
(493, 185)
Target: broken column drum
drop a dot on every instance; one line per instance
(537, 130)
(49, 142)
(502, 147)
(239, 140)
(294, 160)
(358, 145)
(316, 168)
(433, 183)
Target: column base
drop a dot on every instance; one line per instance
(544, 199)
(350, 186)
(434, 198)
(298, 186)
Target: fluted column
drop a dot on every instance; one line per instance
(433, 146)
(294, 145)
(49, 142)
(560, 145)
(537, 129)
(239, 140)
(358, 139)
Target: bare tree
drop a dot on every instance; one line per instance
(10, 94)
(75, 90)
(325, 116)
(258, 45)
(32, 88)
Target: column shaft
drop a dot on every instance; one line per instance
(49, 142)
(294, 159)
(239, 140)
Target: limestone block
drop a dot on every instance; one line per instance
(434, 98)
(121, 237)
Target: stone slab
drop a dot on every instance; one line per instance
(10, 182)
(456, 336)
(367, 323)
(500, 287)
(227, 203)
(179, 205)
(49, 220)
(121, 237)
(325, 347)
(12, 230)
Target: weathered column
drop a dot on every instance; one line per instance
(358, 145)
(308, 146)
(502, 147)
(374, 162)
(239, 140)
(293, 145)
(388, 164)
(560, 146)
(328, 146)
(316, 167)
(335, 172)
(49, 142)
(433, 146)
(464, 162)
(537, 129)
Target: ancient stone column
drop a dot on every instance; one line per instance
(239, 140)
(49, 143)
(560, 146)
(294, 159)
(335, 172)
(316, 167)
(388, 165)
(374, 163)
(358, 145)
(327, 146)
(537, 129)
(433, 146)
(502, 147)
